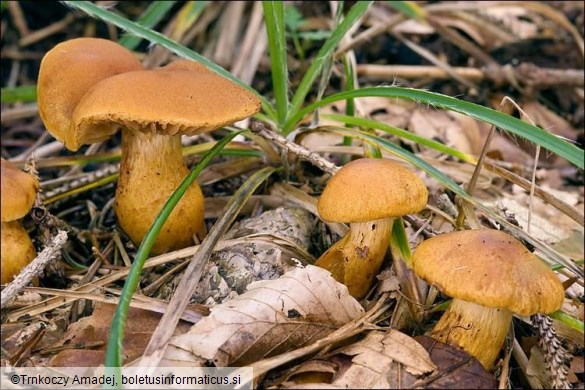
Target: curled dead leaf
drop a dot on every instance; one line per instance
(382, 360)
(272, 317)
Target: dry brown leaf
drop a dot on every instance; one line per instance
(95, 328)
(380, 360)
(272, 317)
(547, 224)
(456, 369)
(451, 129)
(537, 369)
(548, 120)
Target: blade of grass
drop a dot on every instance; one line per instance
(568, 320)
(409, 9)
(349, 85)
(114, 347)
(149, 18)
(325, 53)
(369, 123)
(534, 134)
(25, 93)
(178, 303)
(155, 37)
(275, 29)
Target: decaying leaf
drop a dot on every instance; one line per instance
(272, 317)
(88, 336)
(456, 369)
(379, 361)
(537, 369)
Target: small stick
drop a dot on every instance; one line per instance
(304, 153)
(35, 268)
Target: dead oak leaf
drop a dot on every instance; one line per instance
(258, 323)
(382, 360)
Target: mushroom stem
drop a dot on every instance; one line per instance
(152, 168)
(479, 330)
(356, 259)
(17, 250)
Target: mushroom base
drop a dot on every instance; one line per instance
(479, 330)
(356, 259)
(17, 250)
(152, 168)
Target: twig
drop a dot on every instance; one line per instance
(303, 153)
(35, 268)
(527, 73)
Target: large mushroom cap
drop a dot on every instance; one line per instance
(19, 190)
(181, 98)
(368, 189)
(67, 71)
(490, 268)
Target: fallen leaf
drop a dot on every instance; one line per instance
(381, 360)
(95, 328)
(456, 369)
(271, 317)
(537, 369)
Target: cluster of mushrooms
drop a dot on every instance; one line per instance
(89, 88)
(489, 274)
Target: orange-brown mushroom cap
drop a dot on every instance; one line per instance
(67, 71)
(181, 98)
(368, 189)
(490, 268)
(19, 190)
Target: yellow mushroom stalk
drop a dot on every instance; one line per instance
(368, 193)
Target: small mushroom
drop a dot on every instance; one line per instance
(153, 108)
(490, 276)
(368, 193)
(19, 191)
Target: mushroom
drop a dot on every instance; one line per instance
(490, 276)
(19, 191)
(368, 193)
(153, 108)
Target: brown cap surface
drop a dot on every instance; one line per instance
(19, 190)
(368, 189)
(67, 71)
(181, 98)
(490, 268)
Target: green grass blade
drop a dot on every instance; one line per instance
(275, 30)
(532, 133)
(155, 37)
(408, 8)
(325, 53)
(114, 348)
(369, 123)
(150, 18)
(25, 93)
(568, 320)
